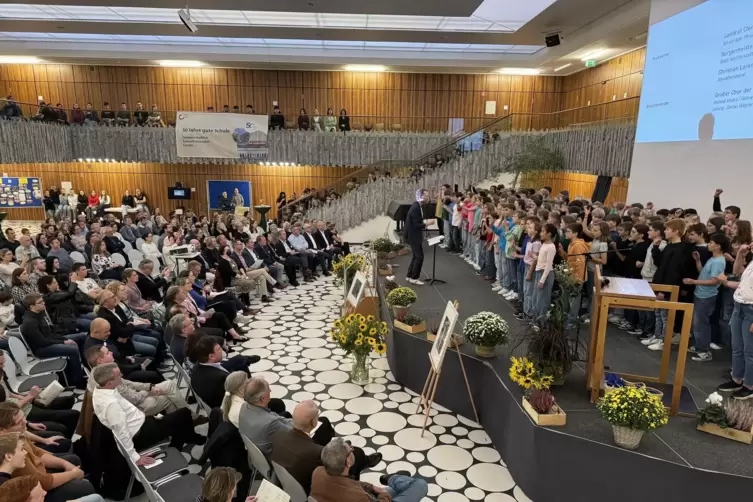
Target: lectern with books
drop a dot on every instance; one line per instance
(637, 294)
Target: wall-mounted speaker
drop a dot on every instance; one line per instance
(553, 40)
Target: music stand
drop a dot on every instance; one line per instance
(433, 243)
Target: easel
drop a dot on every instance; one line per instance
(432, 379)
(637, 295)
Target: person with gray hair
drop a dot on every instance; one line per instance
(131, 427)
(262, 416)
(330, 483)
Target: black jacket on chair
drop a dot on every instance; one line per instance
(119, 327)
(209, 383)
(150, 288)
(211, 256)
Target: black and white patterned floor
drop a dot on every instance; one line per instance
(455, 456)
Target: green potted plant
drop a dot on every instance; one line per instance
(632, 411)
(400, 300)
(731, 420)
(411, 323)
(486, 330)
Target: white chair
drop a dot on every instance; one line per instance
(35, 366)
(139, 243)
(173, 462)
(258, 462)
(183, 375)
(135, 257)
(78, 257)
(119, 259)
(289, 484)
(22, 385)
(128, 245)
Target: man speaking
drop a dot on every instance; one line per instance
(413, 233)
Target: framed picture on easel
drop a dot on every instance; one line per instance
(444, 335)
(357, 288)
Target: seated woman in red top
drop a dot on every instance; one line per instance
(93, 204)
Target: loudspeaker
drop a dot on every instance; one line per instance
(552, 40)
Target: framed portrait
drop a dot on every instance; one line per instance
(444, 336)
(357, 288)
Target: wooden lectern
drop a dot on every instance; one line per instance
(637, 294)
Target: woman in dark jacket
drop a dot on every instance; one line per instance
(62, 306)
(303, 120)
(83, 202)
(343, 122)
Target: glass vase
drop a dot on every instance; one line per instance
(359, 372)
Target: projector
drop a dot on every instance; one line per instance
(185, 17)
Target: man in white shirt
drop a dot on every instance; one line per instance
(130, 426)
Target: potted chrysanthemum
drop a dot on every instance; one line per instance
(486, 330)
(400, 299)
(632, 411)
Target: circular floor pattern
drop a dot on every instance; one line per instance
(256, 343)
(346, 428)
(380, 440)
(459, 431)
(314, 386)
(381, 364)
(332, 415)
(323, 365)
(278, 391)
(258, 333)
(345, 391)
(468, 423)
(389, 452)
(374, 388)
(302, 396)
(520, 495)
(479, 437)
(466, 443)
(502, 497)
(386, 421)
(333, 404)
(446, 420)
(318, 353)
(269, 376)
(311, 333)
(356, 441)
(450, 458)
(450, 480)
(312, 343)
(272, 309)
(363, 406)
(474, 493)
(332, 298)
(447, 438)
(490, 477)
(410, 439)
(427, 471)
(367, 433)
(400, 397)
(437, 429)
(418, 420)
(313, 324)
(486, 454)
(263, 365)
(261, 324)
(287, 360)
(452, 497)
(331, 377)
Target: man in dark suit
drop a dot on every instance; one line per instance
(324, 240)
(274, 268)
(151, 288)
(413, 233)
(322, 254)
(96, 353)
(210, 253)
(208, 376)
(288, 256)
(291, 263)
(123, 331)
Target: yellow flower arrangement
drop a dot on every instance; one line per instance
(360, 334)
(348, 264)
(633, 407)
(524, 373)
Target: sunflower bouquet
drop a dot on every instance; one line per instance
(360, 334)
(346, 267)
(536, 384)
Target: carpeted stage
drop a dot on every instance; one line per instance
(578, 461)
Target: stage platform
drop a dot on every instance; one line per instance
(577, 462)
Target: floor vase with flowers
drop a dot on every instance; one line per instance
(359, 371)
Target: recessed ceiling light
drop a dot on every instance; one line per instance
(19, 59)
(519, 71)
(563, 67)
(365, 67)
(180, 63)
(594, 54)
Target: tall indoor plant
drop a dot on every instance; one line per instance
(486, 330)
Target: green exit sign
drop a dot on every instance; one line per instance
(590, 63)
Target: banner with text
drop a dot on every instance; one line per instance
(222, 135)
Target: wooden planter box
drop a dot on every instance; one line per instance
(729, 433)
(385, 271)
(549, 420)
(410, 329)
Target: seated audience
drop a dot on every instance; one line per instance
(124, 330)
(25, 489)
(205, 318)
(63, 307)
(102, 264)
(22, 285)
(8, 265)
(46, 340)
(26, 249)
(134, 299)
(330, 482)
(60, 475)
(243, 281)
(86, 285)
(136, 369)
(149, 286)
(209, 373)
(131, 427)
(12, 455)
(220, 486)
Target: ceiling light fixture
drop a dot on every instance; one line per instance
(365, 67)
(519, 71)
(563, 67)
(185, 18)
(180, 63)
(19, 59)
(593, 54)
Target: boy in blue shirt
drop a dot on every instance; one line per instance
(707, 287)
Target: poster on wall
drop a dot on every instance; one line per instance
(23, 192)
(222, 136)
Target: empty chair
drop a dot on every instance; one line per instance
(34, 366)
(78, 257)
(139, 243)
(119, 259)
(128, 245)
(289, 484)
(22, 385)
(135, 256)
(257, 461)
